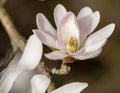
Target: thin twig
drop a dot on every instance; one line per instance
(3, 2)
(17, 41)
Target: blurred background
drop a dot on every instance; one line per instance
(101, 73)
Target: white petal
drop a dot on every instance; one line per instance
(97, 40)
(39, 83)
(9, 78)
(69, 28)
(29, 60)
(44, 25)
(95, 20)
(32, 53)
(47, 39)
(76, 87)
(88, 55)
(88, 24)
(100, 36)
(95, 46)
(86, 11)
(59, 14)
(56, 55)
(90, 49)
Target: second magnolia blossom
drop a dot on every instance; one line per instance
(39, 84)
(28, 62)
(74, 36)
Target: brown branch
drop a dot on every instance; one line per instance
(17, 41)
(3, 2)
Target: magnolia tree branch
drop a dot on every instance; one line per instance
(3, 2)
(17, 41)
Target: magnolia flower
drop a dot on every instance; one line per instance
(74, 35)
(40, 83)
(29, 60)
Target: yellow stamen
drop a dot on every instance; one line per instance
(72, 45)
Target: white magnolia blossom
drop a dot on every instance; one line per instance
(40, 83)
(29, 60)
(74, 35)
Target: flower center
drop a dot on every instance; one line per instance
(72, 45)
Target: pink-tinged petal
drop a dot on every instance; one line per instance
(59, 14)
(56, 55)
(97, 40)
(44, 25)
(75, 87)
(100, 35)
(88, 24)
(90, 49)
(95, 20)
(47, 39)
(86, 11)
(69, 28)
(88, 55)
(94, 47)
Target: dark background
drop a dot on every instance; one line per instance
(101, 73)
